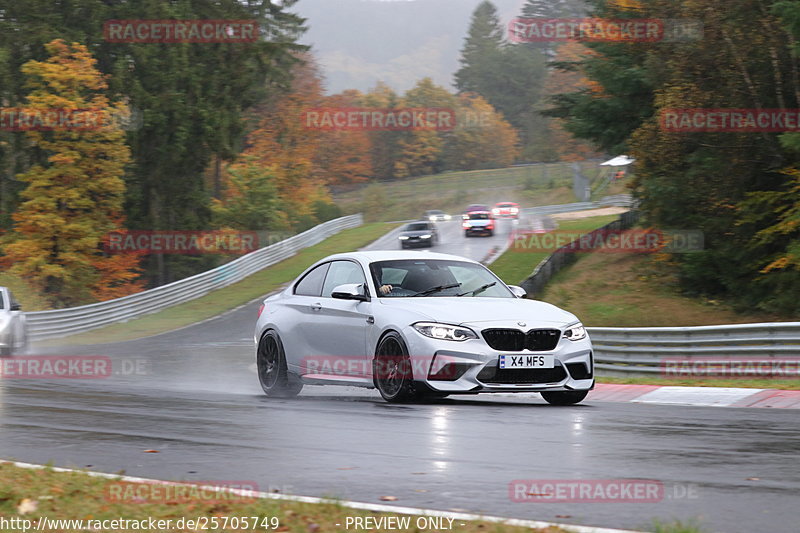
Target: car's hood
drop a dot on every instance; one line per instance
(484, 312)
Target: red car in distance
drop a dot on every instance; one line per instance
(506, 210)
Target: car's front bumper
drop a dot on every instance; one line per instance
(411, 243)
(474, 365)
(479, 229)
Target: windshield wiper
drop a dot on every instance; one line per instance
(437, 289)
(479, 289)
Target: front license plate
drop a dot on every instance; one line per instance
(527, 361)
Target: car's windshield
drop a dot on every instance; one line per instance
(419, 226)
(436, 277)
(479, 216)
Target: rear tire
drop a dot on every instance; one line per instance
(391, 370)
(565, 397)
(275, 379)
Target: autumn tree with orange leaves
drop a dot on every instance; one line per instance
(343, 157)
(284, 152)
(76, 197)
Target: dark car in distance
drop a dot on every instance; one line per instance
(472, 208)
(421, 233)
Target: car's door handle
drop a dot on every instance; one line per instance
(316, 306)
(370, 320)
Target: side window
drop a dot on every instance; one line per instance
(2, 300)
(342, 272)
(12, 302)
(311, 284)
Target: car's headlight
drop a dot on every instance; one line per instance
(432, 218)
(575, 332)
(447, 217)
(444, 331)
(403, 237)
(426, 236)
(495, 211)
(514, 210)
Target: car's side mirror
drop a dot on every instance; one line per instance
(350, 291)
(518, 291)
(15, 307)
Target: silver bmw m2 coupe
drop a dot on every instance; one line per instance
(416, 325)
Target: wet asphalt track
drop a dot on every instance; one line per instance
(193, 395)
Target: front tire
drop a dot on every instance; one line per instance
(565, 397)
(273, 374)
(391, 370)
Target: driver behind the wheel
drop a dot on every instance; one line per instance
(385, 288)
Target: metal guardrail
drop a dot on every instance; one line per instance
(650, 351)
(660, 351)
(617, 200)
(63, 322)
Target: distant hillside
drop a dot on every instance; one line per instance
(359, 42)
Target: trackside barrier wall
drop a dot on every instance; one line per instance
(649, 351)
(617, 200)
(63, 322)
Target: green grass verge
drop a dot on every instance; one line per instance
(516, 264)
(637, 290)
(747, 383)
(221, 300)
(74, 495)
(676, 527)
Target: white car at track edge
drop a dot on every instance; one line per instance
(416, 325)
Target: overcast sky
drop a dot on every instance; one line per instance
(361, 42)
